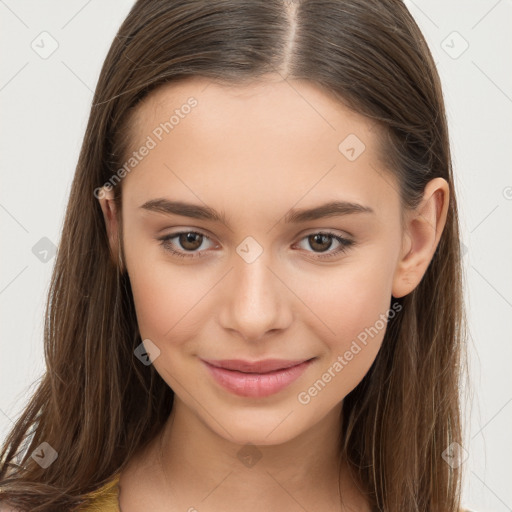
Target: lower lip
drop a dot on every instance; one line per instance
(256, 385)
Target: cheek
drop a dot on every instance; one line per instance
(347, 299)
(359, 326)
(350, 305)
(166, 295)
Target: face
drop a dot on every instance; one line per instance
(252, 265)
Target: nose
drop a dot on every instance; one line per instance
(255, 301)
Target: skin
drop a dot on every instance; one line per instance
(254, 152)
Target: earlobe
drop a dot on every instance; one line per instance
(423, 232)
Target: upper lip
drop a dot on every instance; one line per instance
(263, 366)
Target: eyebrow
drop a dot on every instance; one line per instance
(293, 216)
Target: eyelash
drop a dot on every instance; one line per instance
(345, 244)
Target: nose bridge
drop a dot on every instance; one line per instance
(256, 302)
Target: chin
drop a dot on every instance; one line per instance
(258, 427)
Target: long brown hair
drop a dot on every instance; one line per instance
(97, 405)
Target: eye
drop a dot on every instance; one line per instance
(190, 242)
(323, 241)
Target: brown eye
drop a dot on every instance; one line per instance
(320, 241)
(190, 241)
(187, 244)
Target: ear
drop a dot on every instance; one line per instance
(105, 197)
(422, 233)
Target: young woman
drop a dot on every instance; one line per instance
(257, 298)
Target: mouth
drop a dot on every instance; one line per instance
(256, 379)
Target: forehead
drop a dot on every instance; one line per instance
(267, 139)
(268, 104)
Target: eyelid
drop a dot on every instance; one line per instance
(333, 232)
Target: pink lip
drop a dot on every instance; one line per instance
(256, 379)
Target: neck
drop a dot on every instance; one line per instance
(206, 470)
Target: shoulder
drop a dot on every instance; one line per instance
(106, 498)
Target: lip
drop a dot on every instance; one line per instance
(256, 379)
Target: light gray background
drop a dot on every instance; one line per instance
(45, 103)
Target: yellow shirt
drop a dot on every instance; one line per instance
(106, 498)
